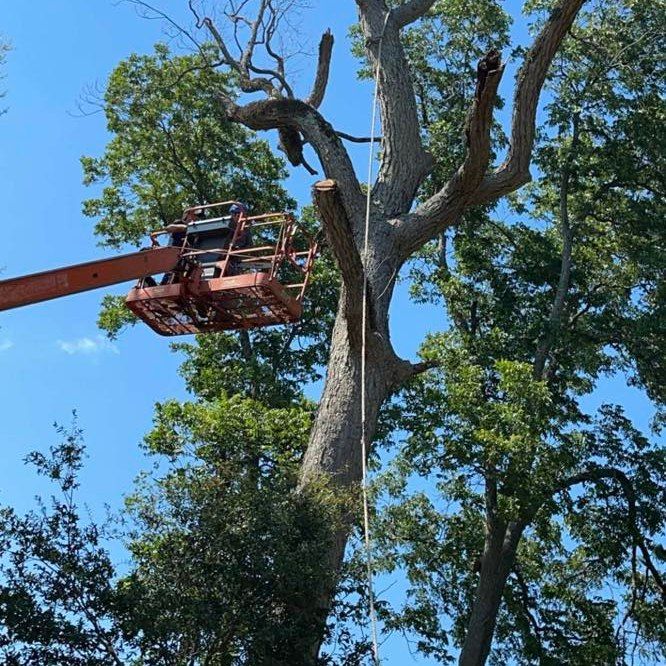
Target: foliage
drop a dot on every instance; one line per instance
(172, 147)
(223, 550)
(498, 440)
(57, 601)
(506, 411)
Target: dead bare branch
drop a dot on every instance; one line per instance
(262, 30)
(154, 12)
(357, 139)
(247, 83)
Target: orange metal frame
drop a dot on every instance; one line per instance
(247, 292)
(44, 286)
(237, 298)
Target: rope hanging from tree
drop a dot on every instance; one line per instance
(364, 319)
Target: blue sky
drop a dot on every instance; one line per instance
(53, 358)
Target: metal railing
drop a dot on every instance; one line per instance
(281, 257)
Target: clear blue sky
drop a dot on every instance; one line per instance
(53, 359)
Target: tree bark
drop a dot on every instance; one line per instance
(334, 450)
(496, 565)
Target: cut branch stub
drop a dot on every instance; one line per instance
(339, 235)
(515, 170)
(338, 230)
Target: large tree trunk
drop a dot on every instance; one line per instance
(334, 453)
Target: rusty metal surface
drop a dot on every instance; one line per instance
(223, 304)
(44, 286)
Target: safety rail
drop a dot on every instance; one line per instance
(279, 253)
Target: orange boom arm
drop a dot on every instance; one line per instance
(37, 287)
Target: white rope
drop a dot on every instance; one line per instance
(364, 430)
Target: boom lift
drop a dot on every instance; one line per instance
(224, 274)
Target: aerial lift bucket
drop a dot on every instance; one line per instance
(216, 280)
(239, 286)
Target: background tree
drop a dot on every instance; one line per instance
(537, 500)
(57, 600)
(222, 551)
(172, 146)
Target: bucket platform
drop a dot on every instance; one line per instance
(229, 303)
(231, 275)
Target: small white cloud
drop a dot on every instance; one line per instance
(5, 345)
(88, 346)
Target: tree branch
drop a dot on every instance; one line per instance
(445, 208)
(490, 499)
(246, 57)
(423, 366)
(515, 170)
(262, 31)
(356, 139)
(411, 11)
(598, 474)
(404, 161)
(293, 114)
(316, 97)
(554, 320)
(527, 605)
(247, 83)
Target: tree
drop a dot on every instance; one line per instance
(172, 146)
(537, 501)
(397, 230)
(56, 595)
(222, 550)
(407, 79)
